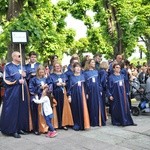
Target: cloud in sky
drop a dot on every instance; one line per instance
(77, 25)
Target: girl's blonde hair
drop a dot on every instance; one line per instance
(40, 67)
(104, 65)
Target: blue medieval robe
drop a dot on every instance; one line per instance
(78, 102)
(124, 71)
(58, 93)
(35, 86)
(120, 112)
(35, 89)
(15, 111)
(68, 73)
(95, 104)
(31, 68)
(103, 75)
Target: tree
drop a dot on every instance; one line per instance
(121, 24)
(11, 9)
(45, 25)
(144, 13)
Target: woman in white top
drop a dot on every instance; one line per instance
(46, 110)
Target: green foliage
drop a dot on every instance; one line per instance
(3, 6)
(45, 26)
(119, 21)
(78, 9)
(135, 60)
(79, 47)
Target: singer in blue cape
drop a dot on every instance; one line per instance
(69, 72)
(36, 86)
(15, 111)
(103, 75)
(76, 96)
(93, 91)
(32, 66)
(120, 112)
(58, 80)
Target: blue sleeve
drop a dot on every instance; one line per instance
(69, 85)
(110, 86)
(32, 87)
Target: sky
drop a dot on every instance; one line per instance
(77, 25)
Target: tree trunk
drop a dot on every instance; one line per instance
(147, 42)
(114, 26)
(118, 48)
(14, 8)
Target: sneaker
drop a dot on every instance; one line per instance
(53, 134)
(48, 134)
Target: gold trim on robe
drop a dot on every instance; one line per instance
(100, 116)
(67, 118)
(55, 119)
(85, 111)
(43, 128)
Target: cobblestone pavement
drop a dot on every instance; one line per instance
(97, 138)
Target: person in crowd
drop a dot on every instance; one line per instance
(58, 79)
(47, 70)
(32, 66)
(103, 75)
(36, 86)
(93, 90)
(120, 111)
(46, 110)
(53, 59)
(143, 75)
(74, 56)
(98, 58)
(77, 99)
(118, 59)
(138, 66)
(85, 58)
(15, 111)
(139, 69)
(147, 87)
(64, 68)
(135, 84)
(124, 71)
(69, 72)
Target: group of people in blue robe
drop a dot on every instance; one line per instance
(78, 96)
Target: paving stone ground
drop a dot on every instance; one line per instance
(97, 138)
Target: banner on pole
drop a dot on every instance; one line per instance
(19, 37)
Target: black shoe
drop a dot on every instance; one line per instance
(36, 133)
(65, 128)
(22, 132)
(134, 124)
(16, 135)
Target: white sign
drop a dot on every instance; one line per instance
(19, 36)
